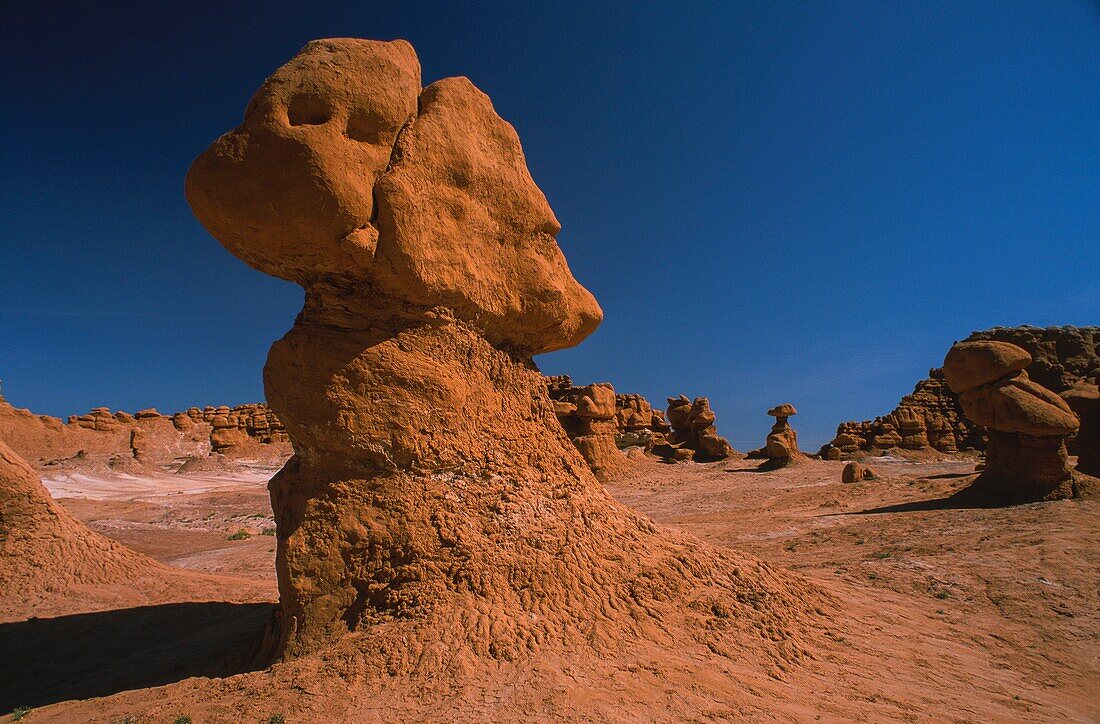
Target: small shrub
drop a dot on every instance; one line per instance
(881, 554)
(276, 719)
(20, 712)
(183, 719)
(941, 594)
(267, 531)
(242, 534)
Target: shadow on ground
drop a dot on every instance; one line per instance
(95, 654)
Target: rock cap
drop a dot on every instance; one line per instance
(973, 364)
(784, 410)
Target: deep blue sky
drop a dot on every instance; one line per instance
(773, 202)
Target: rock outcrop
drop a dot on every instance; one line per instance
(1084, 399)
(47, 554)
(781, 446)
(588, 416)
(1027, 423)
(634, 422)
(931, 418)
(693, 436)
(434, 505)
(161, 441)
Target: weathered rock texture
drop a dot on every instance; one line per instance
(1084, 399)
(632, 422)
(46, 554)
(434, 505)
(931, 418)
(146, 437)
(693, 436)
(1027, 423)
(588, 416)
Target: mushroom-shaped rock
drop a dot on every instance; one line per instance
(781, 446)
(1028, 424)
(784, 410)
(973, 364)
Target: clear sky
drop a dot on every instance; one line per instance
(772, 201)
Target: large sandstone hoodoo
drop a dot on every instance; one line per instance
(1027, 423)
(434, 505)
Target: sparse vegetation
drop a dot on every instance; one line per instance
(941, 594)
(20, 712)
(242, 534)
(183, 719)
(268, 531)
(276, 719)
(881, 554)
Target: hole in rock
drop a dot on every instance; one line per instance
(308, 110)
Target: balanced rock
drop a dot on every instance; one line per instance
(434, 505)
(781, 447)
(1027, 423)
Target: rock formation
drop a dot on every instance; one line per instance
(1084, 399)
(1027, 423)
(588, 416)
(148, 437)
(434, 505)
(781, 447)
(855, 472)
(634, 423)
(931, 419)
(693, 436)
(46, 554)
(639, 424)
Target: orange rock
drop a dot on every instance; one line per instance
(434, 503)
(1028, 424)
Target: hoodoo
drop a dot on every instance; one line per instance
(1027, 423)
(434, 506)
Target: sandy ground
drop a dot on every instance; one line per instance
(956, 613)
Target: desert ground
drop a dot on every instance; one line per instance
(963, 613)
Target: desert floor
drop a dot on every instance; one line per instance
(972, 613)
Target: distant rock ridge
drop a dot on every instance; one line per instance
(147, 436)
(931, 419)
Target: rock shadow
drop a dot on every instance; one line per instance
(47, 660)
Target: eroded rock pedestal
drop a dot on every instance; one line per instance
(1027, 423)
(781, 447)
(434, 505)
